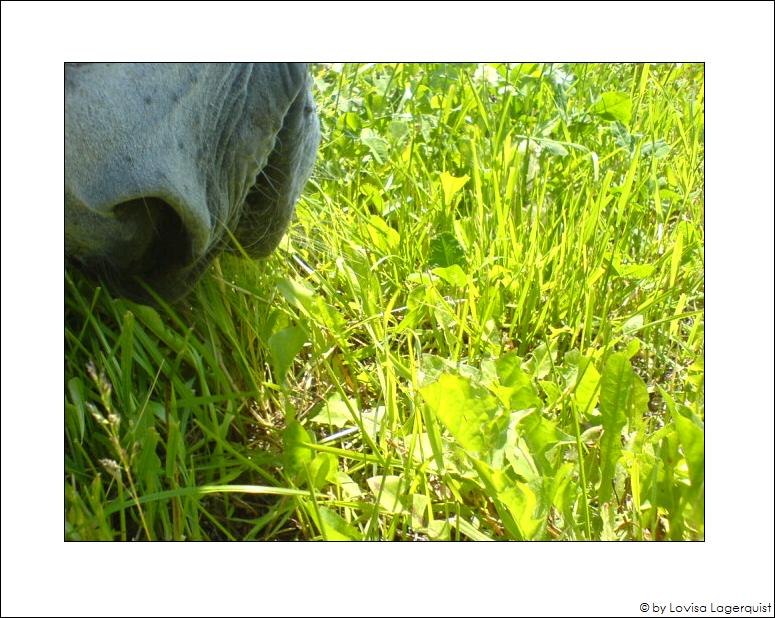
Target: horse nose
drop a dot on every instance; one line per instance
(157, 241)
(144, 238)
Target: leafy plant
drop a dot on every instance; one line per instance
(486, 323)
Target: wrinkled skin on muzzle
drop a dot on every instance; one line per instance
(168, 164)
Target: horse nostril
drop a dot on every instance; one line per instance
(156, 240)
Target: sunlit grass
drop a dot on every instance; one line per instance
(486, 323)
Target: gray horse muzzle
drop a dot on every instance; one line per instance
(167, 164)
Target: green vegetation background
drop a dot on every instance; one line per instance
(486, 323)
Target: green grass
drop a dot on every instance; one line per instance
(486, 323)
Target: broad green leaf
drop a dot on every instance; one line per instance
(622, 396)
(692, 439)
(520, 456)
(310, 305)
(296, 453)
(296, 294)
(438, 530)
(633, 347)
(669, 196)
(557, 485)
(540, 362)
(376, 103)
(658, 148)
(552, 390)
(554, 148)
(322, 469)
(586, 379)
(377, 145)
(541, 435)
(387, 490)
(591, 435)
(515, 387)
(333, 527)
(454, 275)
(420, 511)
(398, 129)
(634, 324)
(350, 121)
(443, 314)
(446, 250)
(348, 486)
(502, 439)
(382, 235)
(284, 345)
(509, 370)
(374, 194)
(451, 185)
(609, 525)
(433, 367)
(518, 499)
(463, 409)
(334, 412)
(614, 106)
